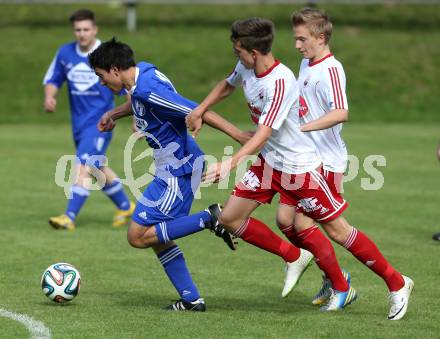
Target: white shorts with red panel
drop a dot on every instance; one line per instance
(309, 191)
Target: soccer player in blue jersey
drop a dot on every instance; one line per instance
(162, 214)
(89, 100)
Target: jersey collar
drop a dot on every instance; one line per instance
(85, 54)
(275, 64)
(136, 75)
(320, 60)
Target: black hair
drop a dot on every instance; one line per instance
(110, 54)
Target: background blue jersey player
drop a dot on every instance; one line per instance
(162, 214)
(89, 100)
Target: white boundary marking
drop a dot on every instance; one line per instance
(35, 327)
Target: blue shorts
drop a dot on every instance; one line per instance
(166, 199)
(91, 146)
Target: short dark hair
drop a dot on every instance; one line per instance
(110, 54)
(254, 33)
(82, 14)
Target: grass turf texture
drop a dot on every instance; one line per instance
(392, 68)
(124, 289)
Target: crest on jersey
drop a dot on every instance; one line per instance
(303, 108)
(141, 124)
(139, 108)
(261, 94)
(306, 81)
(82, 77)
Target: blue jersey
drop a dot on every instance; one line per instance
(89, 100)
(160, 113)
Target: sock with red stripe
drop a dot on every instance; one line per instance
(289, 232)
(367, 252)
(259, 234)
(314, 241)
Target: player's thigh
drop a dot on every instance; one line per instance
(303, 222)
(289, 214)
(82, 175)
(236, 210)
(110, 176)
(135, 232)
(285, 214)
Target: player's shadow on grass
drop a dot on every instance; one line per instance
(256, 302)
(68, 304)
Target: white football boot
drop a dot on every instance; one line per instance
(294, 271)
(399, 300)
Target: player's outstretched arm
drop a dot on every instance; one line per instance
(331, 119)
(216, 121)
(50, 101)
(194, 120)
(218, 171)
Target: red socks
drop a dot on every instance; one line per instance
(367, 252)
(259, 234)
(313, 240)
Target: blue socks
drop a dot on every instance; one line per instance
(78, 198)
(180, 227)
(115, 191)
(175, 267)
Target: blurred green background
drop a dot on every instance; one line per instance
(390, 53)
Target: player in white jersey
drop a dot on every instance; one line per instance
(288, 163)
(323, 109)
(323, 103)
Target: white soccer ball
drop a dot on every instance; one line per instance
(61, 282)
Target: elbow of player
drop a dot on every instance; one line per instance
(343, 116)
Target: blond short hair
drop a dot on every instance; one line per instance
(316, 21)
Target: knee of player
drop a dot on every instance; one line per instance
(132, 240)
(224, 220)
(135, 239)
(335, 234)
(230, 223)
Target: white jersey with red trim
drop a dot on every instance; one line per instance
(272, 98)
(322, 89)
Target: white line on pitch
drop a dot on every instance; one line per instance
(35, 327)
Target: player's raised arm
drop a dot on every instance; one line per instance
(194, 120)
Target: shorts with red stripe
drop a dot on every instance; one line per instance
(309, 191)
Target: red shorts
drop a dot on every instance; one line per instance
(334, 180)
(309, 192)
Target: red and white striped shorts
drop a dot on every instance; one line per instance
(309, 192)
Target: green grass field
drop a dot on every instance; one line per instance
(124, 289)
(390, 55)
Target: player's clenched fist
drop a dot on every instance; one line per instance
(106, 123)
(194, 121)
(50, 104)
